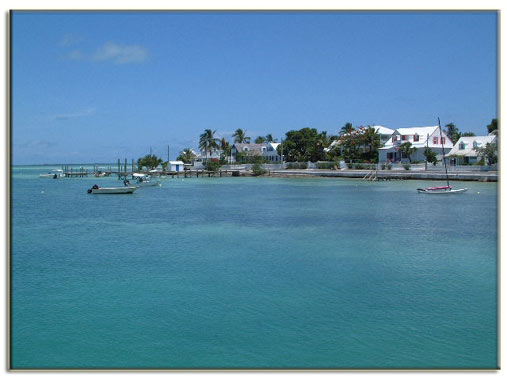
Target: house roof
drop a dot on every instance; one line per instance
(383, 130)
(251, 147)
(176, 162)
(421, 131)
(469, 150)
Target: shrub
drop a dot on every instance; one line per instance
(257, 169)
(327, 165)
(212, 166)
(297, 165)
(406, 166)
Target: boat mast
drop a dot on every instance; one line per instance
(443, 152)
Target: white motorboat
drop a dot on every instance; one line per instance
(141, 180)
(55, 174)
(112, 190)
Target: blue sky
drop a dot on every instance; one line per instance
(90, 87)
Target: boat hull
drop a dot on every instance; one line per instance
(114, 190)
(146, 184)
(441, 191)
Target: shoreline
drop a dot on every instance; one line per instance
(386, 175)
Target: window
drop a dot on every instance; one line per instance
(462, 145)
(435, 140)
(245, 149)
(394, 138)
(403, 137)
(442, 140)
(416, 137)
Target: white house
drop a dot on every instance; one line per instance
(176, 166)
(420, 138)
(213, 155)
(270, 153)
(465, 149)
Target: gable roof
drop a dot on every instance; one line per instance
(421, 131)
(469, 150)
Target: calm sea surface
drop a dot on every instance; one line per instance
(252, 273)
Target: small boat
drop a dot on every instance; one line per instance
(442, 189)
(142, 180)
(55, 174)
(112, 190)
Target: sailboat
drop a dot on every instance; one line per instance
(442, 189)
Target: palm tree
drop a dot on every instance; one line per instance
(346, 129)
(260, 140)
(407, 149)
(269, 138)
(208, 142)
(241, 137)
(371, 139)
(186, 155)
(452, 132)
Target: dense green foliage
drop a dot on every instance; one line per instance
(493, 126)
(407, 149)
(489, 153)
(431, 156)
(212, 165)
(304, 145)
(186, 155)
(297, 165)
(257, 170)
(150, 161)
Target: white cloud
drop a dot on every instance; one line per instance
(70, 40)
(120, 54)
(76, 55)
(65, 116)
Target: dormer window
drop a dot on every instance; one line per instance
(416, 137)
(462, 145)
(245, 149)
(476, 144)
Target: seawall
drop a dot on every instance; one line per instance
(391, 174)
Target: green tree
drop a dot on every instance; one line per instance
(489, 152)
(208, 141)
(493, 126)
(240, 136)
(150, 161)
(431, 156)
(269, 138)
(347, 129)
(260, 140)
(371, 139)
(407, 149)
(468, 134)
(187, 156)
(302, 145)
(453, 132)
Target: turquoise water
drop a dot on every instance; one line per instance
(252, 273)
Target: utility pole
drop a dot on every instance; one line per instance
(168, 153)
